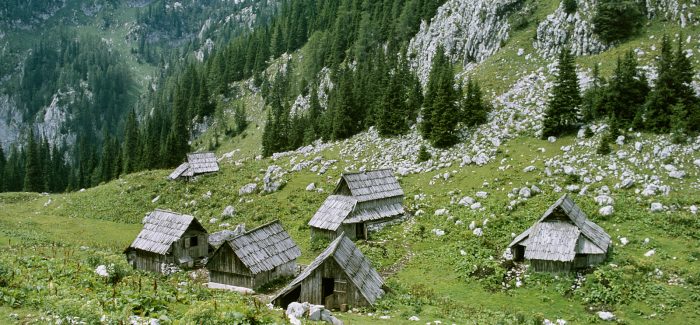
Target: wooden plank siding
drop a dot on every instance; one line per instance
(344, 291)
(226, 268)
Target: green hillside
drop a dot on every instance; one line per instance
(53, 243)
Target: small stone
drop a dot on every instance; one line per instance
(414, 318)
(606, 210)
(656, 207)
(466, 201)
(441, 212)
(650, 253)
(525, 192)
(229, 211)
(529, 169)
(552, 139)
(438, 232)
(606, 315)
(311, 187)
(476, 206)
(624, 241)
(482, 194)
(478, 232)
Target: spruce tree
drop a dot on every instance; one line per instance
(441, 112)
(392, 118)
(240, 118)
(474, 110)
(131, 143)
(658, 104)
(34, 179)
(562, 114)
(683, 72)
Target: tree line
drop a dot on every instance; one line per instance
(626, 100)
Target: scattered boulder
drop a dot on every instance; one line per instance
(311, 187)
(529, 169)
(678, 174)
(525, 192)
(624, 241)
(438, 232)
(650, 253)
(627, 183)
(476, 206)
(606, 210)
(466, 201)
(441, 212)
(478, 232)
(606, 315)
(604, 200)
(229, 211)
(482, 194)
(248, 189)
(656, 207)
(552, 139)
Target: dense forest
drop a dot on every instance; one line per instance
(361, 46)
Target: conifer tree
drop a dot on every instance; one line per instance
(662, 97)
(34, 179)
(240, 118)
(561, 115)
(131, 143)
(392, 118)
(474, 110)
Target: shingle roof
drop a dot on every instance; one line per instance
(264, 248)
(552, 241)
(197, 163)
(333, 212)
(356, 266)
(551, 237)
(372, 185)
(202, 162)
(376, 213)
(161, 229)
(182, 170)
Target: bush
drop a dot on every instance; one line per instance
(570, 6)
(604, 147)
(423, 154)
(617, 20)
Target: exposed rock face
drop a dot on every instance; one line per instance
(10, 122)
(470, 31)
(575, 29)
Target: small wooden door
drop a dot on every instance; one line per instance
(340, 292)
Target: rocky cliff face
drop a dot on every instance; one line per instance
(10, 122)
(470, 31)
(560, 28)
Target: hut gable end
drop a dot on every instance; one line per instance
(163, 228)
(354, 265)
(563, 232)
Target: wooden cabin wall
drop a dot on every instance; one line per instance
(586, 260)
(349, 230)
(550, 266)
(146, 261)
(225, 260)
(232, 279)
(343, 188)
(311, 287)
(284, 270)
(196, 252)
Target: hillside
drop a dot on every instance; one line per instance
(466, 203)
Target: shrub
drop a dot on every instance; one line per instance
(604, 147)
(617, 20)
(570, 6)
(423, 154)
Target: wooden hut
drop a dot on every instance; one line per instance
(562, 240)
(341, 275)
(197, 163)
(255, 257)
(361, 202)
(168, 238)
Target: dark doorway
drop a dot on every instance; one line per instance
(360, 231)
(327, 286)
(291, 297)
